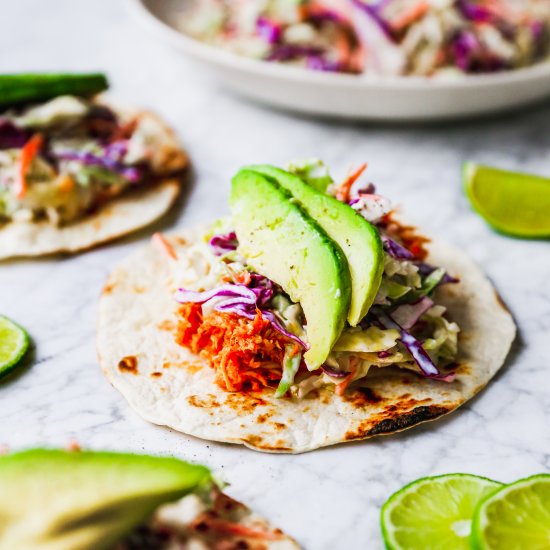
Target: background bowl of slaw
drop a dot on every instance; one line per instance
(361, 97)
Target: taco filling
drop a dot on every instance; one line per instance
(241, 313)
(64, 157)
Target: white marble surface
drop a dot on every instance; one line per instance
(330, 498)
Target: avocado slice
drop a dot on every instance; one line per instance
(281, 242)
(357, 238)
(61, 500)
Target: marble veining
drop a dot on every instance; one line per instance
(329, 498)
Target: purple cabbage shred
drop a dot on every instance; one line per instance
(11, 136)
(240, 300)
(222, 244)
(332, 372)
(269, 30)
(414, 347)
(111, 159)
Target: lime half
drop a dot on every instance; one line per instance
(516, 517)
(434, 513)
(515, 204)
(14, 342)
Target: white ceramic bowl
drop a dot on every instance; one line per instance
(349, 96)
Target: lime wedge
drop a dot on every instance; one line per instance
(515, 204)
(516, 517)
(434, 513)
(14, 342)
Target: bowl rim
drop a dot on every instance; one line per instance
(219, 56)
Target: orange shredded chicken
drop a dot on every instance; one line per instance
(407, 235)
(247, 354)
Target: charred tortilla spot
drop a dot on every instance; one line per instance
(109, 287)
(128, 364)
(209, 401)
(314, 394)
(461, 368)
(279, 426)
(361, 397)
(156, 374)
(396, 423)
(263, 418)
(244, 402)
(257, 442)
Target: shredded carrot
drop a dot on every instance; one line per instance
(233, 529)
(160, 241)
(73, 446)
(407, 235)
(343, 191)
(295, 350)
(28, 153)
(243, 277)
(411, 15)
(343, 386)
(242, 351)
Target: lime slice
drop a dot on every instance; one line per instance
(515, 204)
(434, 513)
(516, 517)
(14, 342)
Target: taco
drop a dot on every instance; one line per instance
(311, 317)
(80, 500)
(75, 170)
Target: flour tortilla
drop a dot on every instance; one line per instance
(168, 385)
(124, 214)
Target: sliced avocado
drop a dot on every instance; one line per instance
(281, 242)
(60, 500)
(357, 238)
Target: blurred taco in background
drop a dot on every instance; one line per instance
(311, 317)
(80, 500)
(76, 170)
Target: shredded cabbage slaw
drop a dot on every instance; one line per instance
(405, 328)
(388, 37)
(64, 157)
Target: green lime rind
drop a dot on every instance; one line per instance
(515, 517)
(512, 203)
(14, 343)
(434, 512)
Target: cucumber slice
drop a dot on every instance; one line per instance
(22, 88)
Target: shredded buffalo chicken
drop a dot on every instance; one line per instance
(247, 354)
(407, 234)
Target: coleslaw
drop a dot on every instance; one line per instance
(384, 37)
